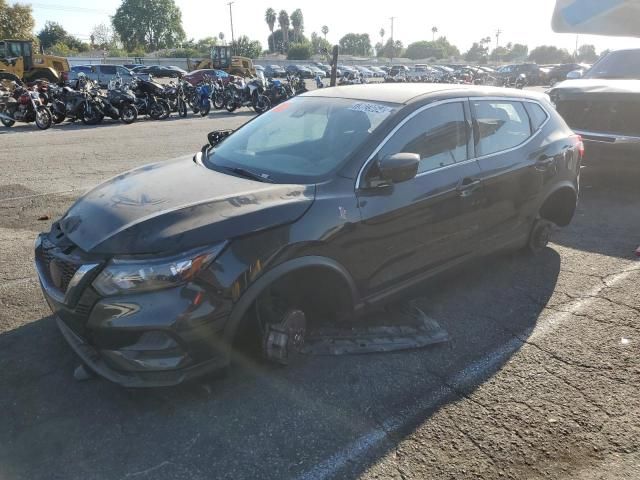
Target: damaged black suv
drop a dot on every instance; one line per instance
(331, 202)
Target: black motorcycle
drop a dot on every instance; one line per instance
(277, 92)
(218, 94)
(149, 99)
(80, 103)
(175, 95)
(23, 105)
(123, 101)
(250, 94)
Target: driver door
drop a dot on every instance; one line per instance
(424, 223)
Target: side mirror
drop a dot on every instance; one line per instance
(399, 167)
(574, 75)
(217, 136)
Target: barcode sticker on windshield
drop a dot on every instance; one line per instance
(370, 108)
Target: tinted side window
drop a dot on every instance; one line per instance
(108, 69)
(438, 135)
(500, 125)
(123, 71)
(537, 114)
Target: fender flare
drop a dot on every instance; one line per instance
(251, 294)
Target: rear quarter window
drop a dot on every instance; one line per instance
(537, 115)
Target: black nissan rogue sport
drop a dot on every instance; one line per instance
(334, 200)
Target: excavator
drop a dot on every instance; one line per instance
(18, 62)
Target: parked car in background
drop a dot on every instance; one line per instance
(317, 72)
(604, 107)
(397, 72)
(162, 71)
(197, 76)
(364, 71)
(559, 73)
(377, 71)
(535, 75)
(274, 71)
(132, 66)
(299, 70)
(103, 74)
(347, 197)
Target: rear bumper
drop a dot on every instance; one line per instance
(615, 153)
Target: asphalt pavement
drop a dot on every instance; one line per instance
(540, 378)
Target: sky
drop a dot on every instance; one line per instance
(462, 22)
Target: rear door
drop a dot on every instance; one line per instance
(418, 225)
(513, 170)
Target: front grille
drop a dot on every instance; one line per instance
(606, 116)
(55, 266)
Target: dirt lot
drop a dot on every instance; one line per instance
(540, 379)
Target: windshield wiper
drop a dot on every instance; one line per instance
(243, 172)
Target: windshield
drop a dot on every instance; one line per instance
(623, 64)
(301, 140)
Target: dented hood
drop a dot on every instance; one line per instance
(177, 205)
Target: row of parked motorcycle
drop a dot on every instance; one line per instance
(45, 104)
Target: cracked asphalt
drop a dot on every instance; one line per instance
(539, 381)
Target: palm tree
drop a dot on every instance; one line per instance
(382, 32)
(324, 31)
(283, 21)
(270, 17)
(434, 30)
(221, 36)
(297, 20)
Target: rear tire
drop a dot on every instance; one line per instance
(182, 109)
(540, 236)
(7, 123)
(92, 118)
(58, 117)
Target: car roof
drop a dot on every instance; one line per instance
(404, 93)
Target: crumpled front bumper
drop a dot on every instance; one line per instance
(92, 358)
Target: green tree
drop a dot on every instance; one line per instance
(299, 51)
(297, 22)
(441, 48)
(356, 44)
(277, 40)
(151, 24)
(434, 30)
(283, 21)
(546, 54)
(324, 31)
(270, 17)
(587, 54)
(319, 44)
(517, 52)
(51, 34)
(479, 51)
(243, 46)
(392, 49)
(16, 21)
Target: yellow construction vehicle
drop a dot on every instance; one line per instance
(221, 59)
(18, 62)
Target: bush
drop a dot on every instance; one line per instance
(299, 51)
(183, 53)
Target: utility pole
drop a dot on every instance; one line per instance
(498, 33)
(231, 18)
(393, 45)
(576, 53)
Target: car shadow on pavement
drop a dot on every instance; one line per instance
(259, 420)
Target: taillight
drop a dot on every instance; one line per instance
(65, 76)
(580, 146)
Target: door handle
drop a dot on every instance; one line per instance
(467, 186)
(544, 162)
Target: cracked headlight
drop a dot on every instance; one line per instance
(141, 275)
